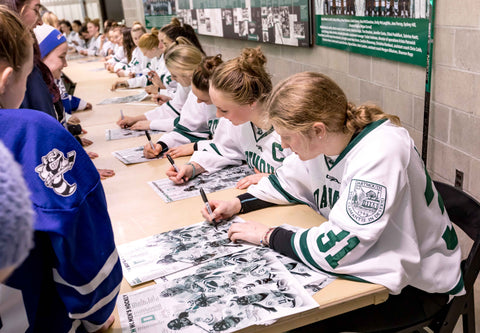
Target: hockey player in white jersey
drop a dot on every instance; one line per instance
(238, 89)
(181, 60)
(386, 223)
(193, 125)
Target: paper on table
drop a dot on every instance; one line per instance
(220, 180)
(123, 133)
(125, 99)
(166, 253)
(225, 294)
(132, 155)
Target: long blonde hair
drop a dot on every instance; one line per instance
(305, 98)
(244, 79)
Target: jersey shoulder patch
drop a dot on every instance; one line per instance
(366, 201)
(54, 165)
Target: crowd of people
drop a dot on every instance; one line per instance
(305, 143)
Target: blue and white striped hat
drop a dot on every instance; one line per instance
(48, 38)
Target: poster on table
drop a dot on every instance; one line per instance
(222, 295)
(284, 22)
(391, 29)
(155, 256)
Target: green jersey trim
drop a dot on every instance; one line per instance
(264, 134)
(214, 147)
(276, 184)
(370, 127)
(460, 285)
(171, 107)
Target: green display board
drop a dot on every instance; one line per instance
(284, 22)
(158, 12)
(390, 29)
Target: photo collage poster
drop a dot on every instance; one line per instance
(226, 294)
(284, 22)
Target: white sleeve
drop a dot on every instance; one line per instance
(192, 125)
(286, 185)
(162, 117)
(224, 150)
(137, 81)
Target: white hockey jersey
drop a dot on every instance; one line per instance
(139, 64)
(386, 222)
(157, 65)
(232, 145)
(193, 123)
(162, 117)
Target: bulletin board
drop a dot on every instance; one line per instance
(283, 22)
(390, 29)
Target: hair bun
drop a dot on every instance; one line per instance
(251, 58)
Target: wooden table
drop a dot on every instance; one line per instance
(137, 211)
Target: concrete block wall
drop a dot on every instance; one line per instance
(454, 141)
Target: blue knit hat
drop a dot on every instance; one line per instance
(48, 38)
(16, 214)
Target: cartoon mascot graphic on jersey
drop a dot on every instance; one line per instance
(366, 201)
(54, 166)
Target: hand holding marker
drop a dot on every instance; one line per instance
(172, 162)
(209, 209)
(149, 140)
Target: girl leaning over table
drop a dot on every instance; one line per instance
(198, 115)
(238, 88)
(386, 223)
(181, 59)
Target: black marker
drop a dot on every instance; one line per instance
(209, 209)
(150, 140)
(172, 162)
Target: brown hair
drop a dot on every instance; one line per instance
(244, 78)
(149, 41)
(175, 29)
(201, 75)
(305, 98)
(137, 26)
(15, 39)
(183, 56)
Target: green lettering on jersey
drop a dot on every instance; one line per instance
(323, 202)
(351, 244)
(255, 161)
(450, 238)
(332, 240)
(329, 197)
(212, 125)
(277, 147)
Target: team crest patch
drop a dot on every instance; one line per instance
(54, 166)
(366, 201)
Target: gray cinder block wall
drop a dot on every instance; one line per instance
(454, 142)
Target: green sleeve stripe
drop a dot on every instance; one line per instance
(171, 107)
(458, 287)
(276, 184)
(214, 147)
(309, 259)
(191, 137)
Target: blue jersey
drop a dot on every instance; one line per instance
(72, 277)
